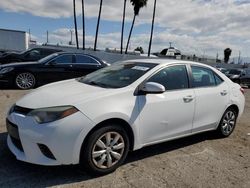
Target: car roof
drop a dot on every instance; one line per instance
(78, 53)
(163, 61)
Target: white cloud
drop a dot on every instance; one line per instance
(194, 26)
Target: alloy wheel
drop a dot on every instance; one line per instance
(108, 150)
(25, 80)
(228, 122)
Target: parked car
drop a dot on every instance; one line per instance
(29, 55)
(223, 70)
(95, 120)
(55, 67)
(245, 80)
(235, 74)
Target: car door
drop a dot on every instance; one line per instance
(84, 65)
(211, 98)
(59, 68)
(169, 114)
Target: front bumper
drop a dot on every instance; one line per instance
(63, 138)
(5, 79)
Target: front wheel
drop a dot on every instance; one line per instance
(105, 150)
(227, 123)
(25, 80)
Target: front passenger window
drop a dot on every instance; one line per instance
(172, 78)
(64, 59)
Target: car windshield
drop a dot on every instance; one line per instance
(118, 75)
(47, 58)
(234, 71)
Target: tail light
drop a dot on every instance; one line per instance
(242, 90)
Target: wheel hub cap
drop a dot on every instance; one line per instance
(108, 150)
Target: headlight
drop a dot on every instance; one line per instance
(5, 70)
(46, 115)
(11, 109)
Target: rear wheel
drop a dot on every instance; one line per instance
(227, 123)
(25, 80)
(105, 150)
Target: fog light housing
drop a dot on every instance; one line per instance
(46, 151)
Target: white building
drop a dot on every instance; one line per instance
(12, 40)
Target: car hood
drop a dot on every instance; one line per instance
(18, 64)
(69, 92)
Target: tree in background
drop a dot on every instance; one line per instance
(123, 20)
(97, 26)
(83, 26)
(140, 49)
(152, 30)
(138, 4)
(76, 33)
(227, 53)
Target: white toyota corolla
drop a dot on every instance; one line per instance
(97, 119)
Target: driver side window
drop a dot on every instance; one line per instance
(63, 59)
(172, 78)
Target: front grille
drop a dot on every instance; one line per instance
(21, 110)
(14, 134)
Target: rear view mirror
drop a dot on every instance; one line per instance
(153, 87)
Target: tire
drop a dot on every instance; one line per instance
(25, 80)
(100, 156)
(227, 123)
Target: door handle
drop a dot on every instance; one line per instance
(188, 98)
(223, 93)
(70, 65)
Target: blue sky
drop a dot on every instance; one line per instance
(194, 26)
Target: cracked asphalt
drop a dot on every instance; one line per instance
(198, 161)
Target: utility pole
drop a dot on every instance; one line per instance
(71, 34)
(47, 36)
(83, 26)
(29, 36)
(239, 57)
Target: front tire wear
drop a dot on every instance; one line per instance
(227, 123)
(25, 80)
(105, 150)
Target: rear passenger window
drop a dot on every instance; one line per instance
(202, 77)
(218, 79)
(174, 77)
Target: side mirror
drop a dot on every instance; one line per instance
(153, 87)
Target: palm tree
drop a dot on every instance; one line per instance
(152, 30)
(76, 33)
(123, 20)
(138, 4)
(227, 54)
(97, 26)
(83, 26)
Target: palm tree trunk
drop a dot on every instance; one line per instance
(123, 20)
(83, 26)
(131, 29)
(76, 33)
(97, 26)
(152, 30)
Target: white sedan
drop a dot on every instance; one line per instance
(95, 120)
